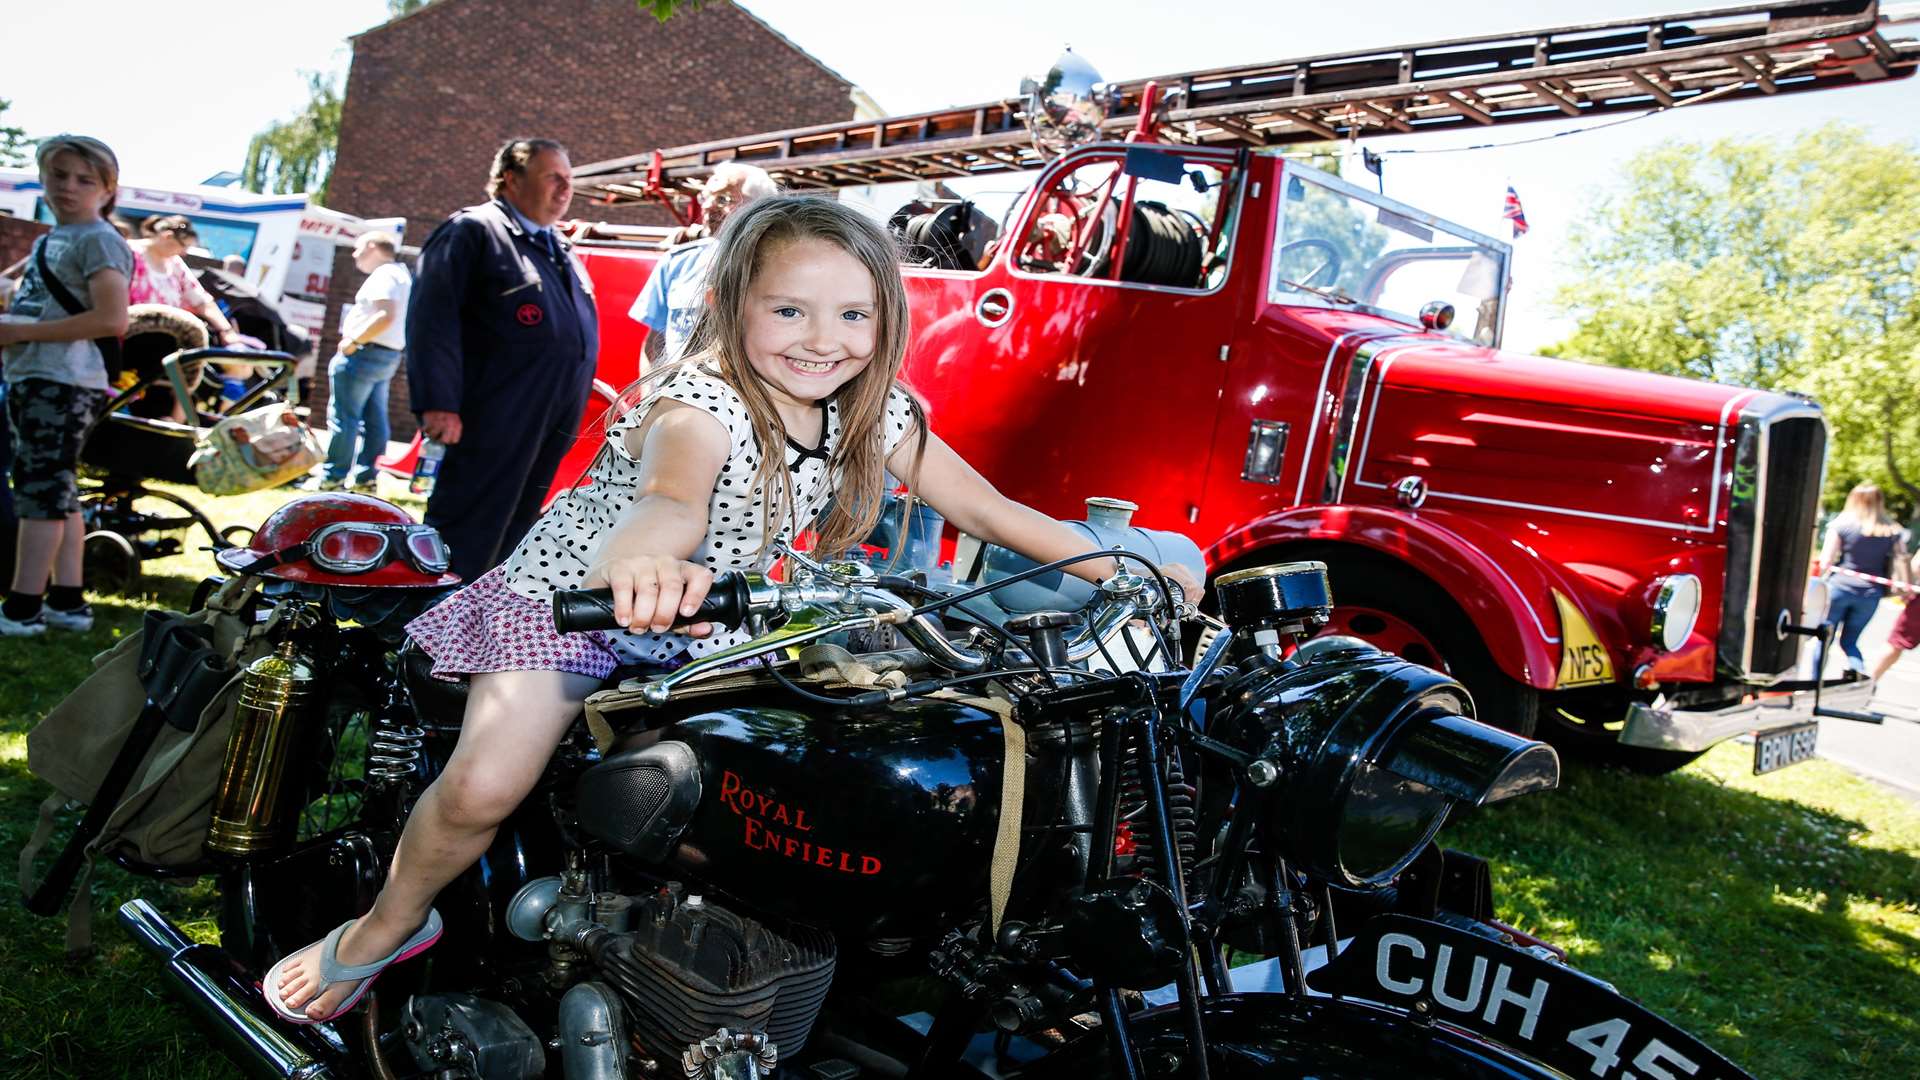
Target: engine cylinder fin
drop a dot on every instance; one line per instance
(698, 968)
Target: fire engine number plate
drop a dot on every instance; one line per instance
(1788, 746)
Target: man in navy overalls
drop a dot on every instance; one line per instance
(503, 340)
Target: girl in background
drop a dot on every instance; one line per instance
(1861, 540)
(161, 276)
(74, 291)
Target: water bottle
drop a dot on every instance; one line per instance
(426, 470)
(232, 389)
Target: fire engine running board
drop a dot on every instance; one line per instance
(226, 1003)
(1694, 730)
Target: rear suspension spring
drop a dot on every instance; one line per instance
(393, 750)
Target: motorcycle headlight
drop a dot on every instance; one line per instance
(1372, 751)
(1266, 603)
(1676, 608)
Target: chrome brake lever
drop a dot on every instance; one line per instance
(786, 551)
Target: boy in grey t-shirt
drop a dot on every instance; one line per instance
(75, 291)
(74, 253)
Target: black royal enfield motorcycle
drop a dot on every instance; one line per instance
(894, 836)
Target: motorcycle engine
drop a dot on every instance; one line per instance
(686, 968)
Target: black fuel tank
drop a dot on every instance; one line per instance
(875, 822)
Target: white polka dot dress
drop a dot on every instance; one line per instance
(557, 552)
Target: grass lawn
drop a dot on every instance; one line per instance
(107, 1016)
(1776, 917)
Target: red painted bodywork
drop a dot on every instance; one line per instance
(618, 276)
(1544, 474)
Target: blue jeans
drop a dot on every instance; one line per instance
(357, 409)
(1851, 612)
(9, 524)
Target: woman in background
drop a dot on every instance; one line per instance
(1862, 543)
(161, 276)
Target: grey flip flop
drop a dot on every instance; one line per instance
(332, 971)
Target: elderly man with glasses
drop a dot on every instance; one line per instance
(671, 301)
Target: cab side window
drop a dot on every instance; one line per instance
(1175, 234)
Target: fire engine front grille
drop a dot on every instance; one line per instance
(1779, 462)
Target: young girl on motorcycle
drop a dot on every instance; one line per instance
(788, 401)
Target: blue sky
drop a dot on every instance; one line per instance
(177, 88)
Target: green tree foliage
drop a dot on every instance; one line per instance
(13, 142)
(661, 9)
(1782, 266)
(297, 154)
(666, 9)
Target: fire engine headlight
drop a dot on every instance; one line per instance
(1676, 608)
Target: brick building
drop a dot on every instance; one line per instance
(432, 94)
(16, 238)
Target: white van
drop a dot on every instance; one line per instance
(288, 241)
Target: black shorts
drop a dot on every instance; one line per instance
(48, 420)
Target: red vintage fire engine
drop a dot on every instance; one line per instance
(1266, 357)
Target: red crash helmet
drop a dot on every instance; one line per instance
(338, 538)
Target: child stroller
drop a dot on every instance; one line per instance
(146, 434)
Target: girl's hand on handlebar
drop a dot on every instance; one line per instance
(1183, 577)
(651, 591)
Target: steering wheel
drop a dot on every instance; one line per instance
(1329, 265)
(1040, 251)
(1071, 200)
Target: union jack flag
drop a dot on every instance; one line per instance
(1512, 212)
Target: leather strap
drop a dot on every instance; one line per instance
(42, 833)
(54, 285)
(109, 346)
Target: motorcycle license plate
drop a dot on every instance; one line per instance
(1546, 1010)
(1787, 746)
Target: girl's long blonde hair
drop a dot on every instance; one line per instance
(857, 462)
(1867, 508)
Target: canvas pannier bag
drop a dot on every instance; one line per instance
(161, 815)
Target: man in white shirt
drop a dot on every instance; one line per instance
(372, 347)
(670, 303)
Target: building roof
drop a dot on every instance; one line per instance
(432, 5)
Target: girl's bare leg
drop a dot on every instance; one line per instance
(69, 559)
(1887, 661)
(514, 720)
(39, 545)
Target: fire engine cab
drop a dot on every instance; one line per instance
(1286, 365)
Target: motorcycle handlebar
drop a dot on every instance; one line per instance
(577, 610)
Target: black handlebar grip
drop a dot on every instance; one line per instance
(577, 610)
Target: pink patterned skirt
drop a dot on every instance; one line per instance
(486, 626)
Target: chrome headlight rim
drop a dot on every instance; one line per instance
(1675, 610)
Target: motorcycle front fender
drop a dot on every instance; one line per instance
(1274, 1036)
